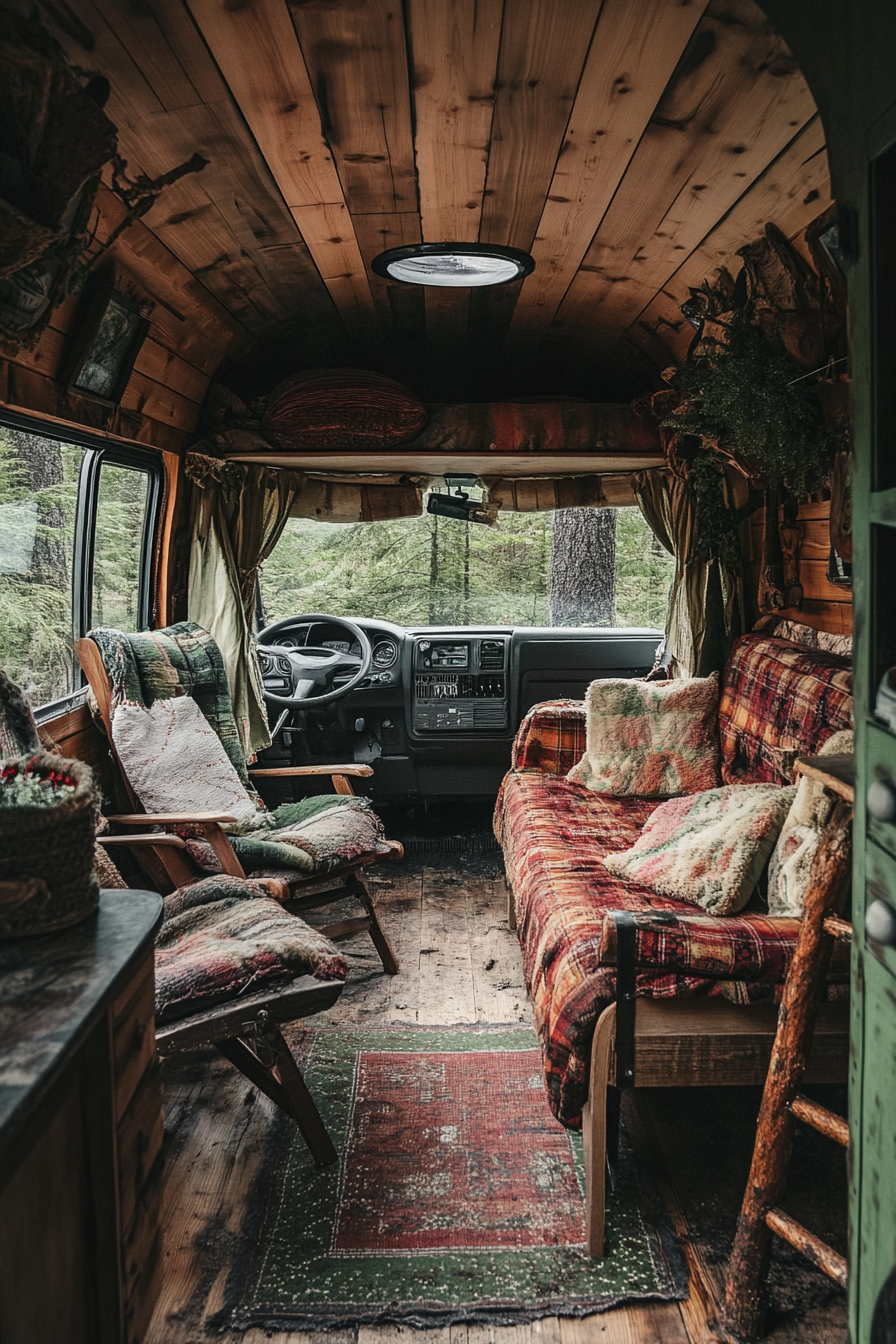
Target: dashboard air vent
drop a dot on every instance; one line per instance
(491, 655)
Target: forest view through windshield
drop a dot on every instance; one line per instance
(569, 567)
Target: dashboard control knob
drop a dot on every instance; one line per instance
(880, 923)
(881, 800)
(425, 645)
(360, 725)
(387, 724)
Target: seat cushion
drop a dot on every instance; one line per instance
(225, 936)
(779, 700)
(551, 737)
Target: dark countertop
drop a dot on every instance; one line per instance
(53, 987)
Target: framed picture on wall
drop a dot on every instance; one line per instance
(108, 340)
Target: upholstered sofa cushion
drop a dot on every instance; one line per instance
(342, 409)
(226, 935)
(655, 739)
(708, 848)
(551, 738)
(779, 700)
(790, 866)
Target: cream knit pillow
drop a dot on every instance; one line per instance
(175, 761)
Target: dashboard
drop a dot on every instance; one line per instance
(438, 707)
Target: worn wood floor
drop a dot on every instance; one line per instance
(460, 964)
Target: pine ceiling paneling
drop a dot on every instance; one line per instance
(733, 106)
(631, 145)
(633, 55)
(258, 53)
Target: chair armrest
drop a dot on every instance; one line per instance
(173, 818)
(362, 771)
(144, 841)
(750, 947)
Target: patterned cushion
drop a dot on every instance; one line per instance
(654, 739)
(342, 409)
(223, 936)
(790, 866)
(779, 701)
(710, 848)
(551, 738)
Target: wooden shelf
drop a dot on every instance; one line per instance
(459, 464)
(837, 773)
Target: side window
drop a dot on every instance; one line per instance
(118, 546)
(76, 530)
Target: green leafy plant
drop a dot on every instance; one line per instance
(750, 396)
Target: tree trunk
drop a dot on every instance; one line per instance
(583, 567)
(39, 469)
(433, 565)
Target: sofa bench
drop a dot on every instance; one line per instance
(778, 700)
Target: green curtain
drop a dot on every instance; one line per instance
(238, 513)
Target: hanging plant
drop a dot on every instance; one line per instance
(746, 395)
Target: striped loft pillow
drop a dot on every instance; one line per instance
(342, 409)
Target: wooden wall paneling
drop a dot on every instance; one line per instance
(26, 390)
(792, 191)
(732, 107)
(454, 46)
(826, 606)
(258, 53)
(633, 55)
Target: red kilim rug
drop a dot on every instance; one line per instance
(458, 1197)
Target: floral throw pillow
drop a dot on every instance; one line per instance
(655, 739)
(709, 848)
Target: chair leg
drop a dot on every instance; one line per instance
(377, 933)
(288, 1091)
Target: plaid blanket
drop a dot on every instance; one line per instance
(225, 936)
(180, 660)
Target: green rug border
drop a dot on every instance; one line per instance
(239, 1311)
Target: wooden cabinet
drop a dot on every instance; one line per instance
(81, 1130)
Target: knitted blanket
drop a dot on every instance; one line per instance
(225, 936)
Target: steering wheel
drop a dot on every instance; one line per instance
(314, 666)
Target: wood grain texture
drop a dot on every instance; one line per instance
(632, 57)
(733, 105)
(792, 191)
(258, 53)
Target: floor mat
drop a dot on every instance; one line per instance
(457, 1196)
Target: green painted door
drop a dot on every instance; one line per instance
(873, 1097)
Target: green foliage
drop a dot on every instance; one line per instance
(716, 525)
(751, 396)
(429, 571)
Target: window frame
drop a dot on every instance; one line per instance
(99, 451)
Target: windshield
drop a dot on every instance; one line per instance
(568, 567)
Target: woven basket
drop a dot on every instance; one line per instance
(46, 851)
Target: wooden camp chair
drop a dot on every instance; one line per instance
(170, 867)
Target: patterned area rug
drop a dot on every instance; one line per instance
(457, 1196)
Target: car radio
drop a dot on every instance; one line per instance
(460, 686)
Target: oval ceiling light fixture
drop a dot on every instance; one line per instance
(454, 265)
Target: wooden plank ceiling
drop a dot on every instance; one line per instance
(631, 145)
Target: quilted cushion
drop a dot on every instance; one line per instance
(223, 936)
(779, 700)
(654, 739)
(342, 409)
(551, 738)
(710, 848)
